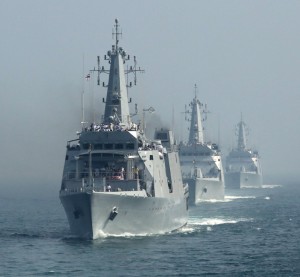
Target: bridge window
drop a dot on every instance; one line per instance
(130, 146)
(119, 146)
(86, 146)
(108, 146)
(98, 146)
(162, 136)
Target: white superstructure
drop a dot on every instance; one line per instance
(115, 180)
(243, 167)
(201, 162)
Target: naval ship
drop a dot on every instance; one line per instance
(115, 180)
(243, 168)
(201, 162)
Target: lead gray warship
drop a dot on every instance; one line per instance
(201, 161)
(115, 180)
(243, 168)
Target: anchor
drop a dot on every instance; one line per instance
(113, 213)
(76, 213)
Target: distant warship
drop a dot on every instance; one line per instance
(115, 180)
(201, 162)
(243, 167)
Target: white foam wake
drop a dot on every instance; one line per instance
(270, 186)
(195, 224)
(102, 234)
(212, 201)
(123, 235)
(214, 221)
(230, 198)
(227, 198)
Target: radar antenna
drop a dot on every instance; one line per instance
(99, 70)
(134, 70)
(196, 91)
(115, 49)
(116, 32)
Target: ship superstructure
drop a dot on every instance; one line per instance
(115, 180)
(201, 162)
(243, 168)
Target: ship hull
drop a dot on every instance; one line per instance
(237, 180)
(89, 214)
(205, 189)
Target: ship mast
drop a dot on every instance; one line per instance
(196, 129)
(241, 134)
(116, 103)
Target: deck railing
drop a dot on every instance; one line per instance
(100, 183)
(109, 175)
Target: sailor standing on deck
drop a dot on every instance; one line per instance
(123, 173)
(108, 188)
(136, 172)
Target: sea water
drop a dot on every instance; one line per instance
(253, 232)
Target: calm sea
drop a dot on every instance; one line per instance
(254, 232)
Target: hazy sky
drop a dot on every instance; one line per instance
(243, 55)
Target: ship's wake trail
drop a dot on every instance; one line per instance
(229, 198)
(270, 186)
(102, 235)
(196, 224)
(212, 201)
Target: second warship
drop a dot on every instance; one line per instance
(243, 168)
(115, 180)
(201, 162)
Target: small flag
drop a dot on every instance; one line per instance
(87, 77)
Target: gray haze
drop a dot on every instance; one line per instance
(243, 55)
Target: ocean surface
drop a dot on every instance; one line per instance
(254, 232)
